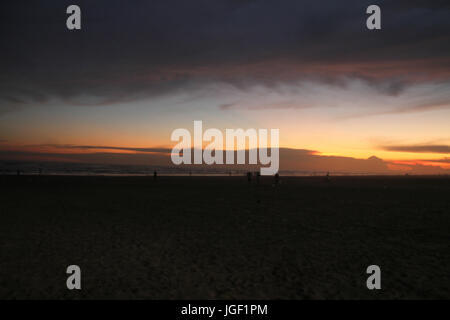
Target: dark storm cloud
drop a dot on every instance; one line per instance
(130, 50)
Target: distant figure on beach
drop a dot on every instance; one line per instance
(277, 178)
(229, 173)
(327, 177)
(154, 174)
(249, 176)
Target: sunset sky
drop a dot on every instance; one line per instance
(139, 69)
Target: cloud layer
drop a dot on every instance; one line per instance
(127, 52)
(419, 148)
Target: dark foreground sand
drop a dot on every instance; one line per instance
(209, 237)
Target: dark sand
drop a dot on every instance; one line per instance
(210, 237)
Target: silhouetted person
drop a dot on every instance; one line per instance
(258, 174)
(249, 176)
(277, 178)
(327, 177)
(18, 172)
(154, 174)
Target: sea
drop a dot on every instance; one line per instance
(93, 169)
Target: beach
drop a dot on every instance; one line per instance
(224, 237)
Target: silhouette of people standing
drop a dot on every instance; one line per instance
(154, 174)
(277, 178)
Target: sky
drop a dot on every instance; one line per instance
(343, 96)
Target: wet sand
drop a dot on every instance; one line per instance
(224, 238)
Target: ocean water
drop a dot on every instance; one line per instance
(83, 169)
(62, 168)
